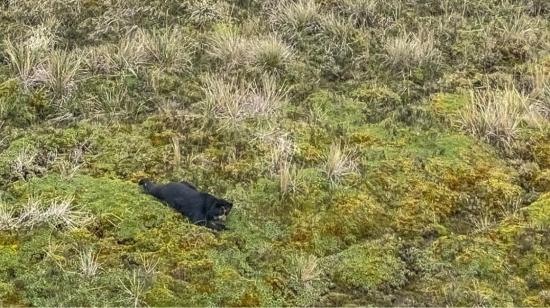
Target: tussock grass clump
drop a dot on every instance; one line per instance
(267, 96)
(40, 11)
(89, 266)
(229, 47)
(114, 103)
(233, 50)
(271, 53)
(23, 62)
(538, 7)
(63, 212)
(34, 63)
(307, 269)
(495, 116)
(168, 48)
(203, 13)
(540, 92)
(232, 100)
(43, 37)
(134, 288)
(148, 264)
(288, 178)
(100, 59)
(130, 52)
(282, 151)
(62, 71)
(540, 79)
(361, 13)
(408, 51)
(116, 19)
(340, 162)
(542, 105)
(338, 45)
(281, 166)
(482, 223)
(33, 214)
(518, 35)
(291, 17)
(24, 162)
(69, 166)
(223, 98)
(8, 218)
(338, 33)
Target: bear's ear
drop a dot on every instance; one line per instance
(211, 201)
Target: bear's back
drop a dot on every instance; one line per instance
(173, 191)
(182, 198)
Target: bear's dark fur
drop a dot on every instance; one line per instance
(201, 208)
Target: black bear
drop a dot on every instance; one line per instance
(201, 208)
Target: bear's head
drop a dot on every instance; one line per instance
(146, 184)
(218, 209)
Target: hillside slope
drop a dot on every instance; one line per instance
(376, 152)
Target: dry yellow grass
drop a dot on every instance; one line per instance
(495, 116)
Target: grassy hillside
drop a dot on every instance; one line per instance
(376, 152)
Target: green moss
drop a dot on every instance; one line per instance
(379, 101)
(432, 218)
(540, 300)
(370, 267)
(480, 271)
(542, 181)
(334, 110)
(423, 207)
(125, 152)
(203, 269)
(541, 153)
(449, 105)
(539, 212)
(352, 217)
(15, 106)
(160, 296)
(7, 292)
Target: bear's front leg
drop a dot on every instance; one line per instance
(216, 225)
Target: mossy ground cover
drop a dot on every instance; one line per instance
(355, 138)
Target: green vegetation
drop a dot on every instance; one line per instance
(376, 152)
